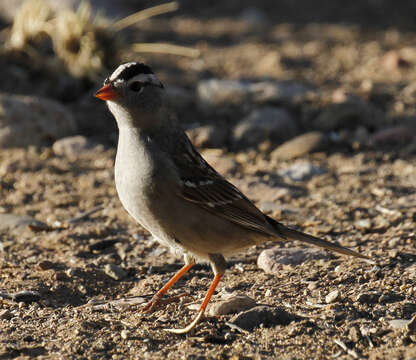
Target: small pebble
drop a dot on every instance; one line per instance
(363, 224)
(26, 296)
(233, 305)
(399, 323)
(368, 298)
(60, 276)
(332, 297)
(5, 314)
(114, 271)
(124, 334)
(46, 265)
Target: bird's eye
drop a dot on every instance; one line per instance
(136, 86)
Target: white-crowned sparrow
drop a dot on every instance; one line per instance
(169, 189)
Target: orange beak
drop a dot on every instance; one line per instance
(107, 92)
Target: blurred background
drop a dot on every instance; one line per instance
(345, 70)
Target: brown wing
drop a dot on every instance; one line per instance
(202, 185)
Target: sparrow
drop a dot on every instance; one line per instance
(171, 191)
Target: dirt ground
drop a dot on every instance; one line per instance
(74, 317)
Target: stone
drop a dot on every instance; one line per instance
(301, 171)
(215, 92)
(368, 297)
(262, 315)
(278, 91)
(390, 297)
(363, 224)
(399, 323)
(397, 135)
(26, 296)
(12, 221)
(232, 305)
(5, 314)
(301, 145)
(268, 123)
(272, 260)
(348, 115)
(114, 271)
(73, 146)
(332, 297)
(208, 136)
(30, 120)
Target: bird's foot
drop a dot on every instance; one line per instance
(157, 301)
(189, 327)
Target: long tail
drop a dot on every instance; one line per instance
(292, 234)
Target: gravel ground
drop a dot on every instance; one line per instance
(72, 288)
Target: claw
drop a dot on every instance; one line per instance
(189, 327)
(157, 300)
(201, 311)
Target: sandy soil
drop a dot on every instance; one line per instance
(66, 265)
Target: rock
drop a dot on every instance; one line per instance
(5, 314)
(114, 271)
(368, 297)
(266, 315)
(26, 296)
(73, 146)
(214, 92)
(271, 260)
(332, 297)
(234, 304)
(393, 61)
(30, 120)
(208, 136)
(268, 123)
(399, 323)
(12, 221)
(390, 297)
(397, 135)
(278, 91)
(46, 265)
(363, 224)
(348, 115)
(178, 97)
(302, 170)
(301, 145)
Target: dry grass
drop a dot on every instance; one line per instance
(85, 44)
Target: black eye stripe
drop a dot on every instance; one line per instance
(137, 85)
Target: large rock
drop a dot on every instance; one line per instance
(268, 123)
(301, 145)
(73, 146)
(349, 114)
(29, 120)
(272, 260)
(267, 316)
(214, 92)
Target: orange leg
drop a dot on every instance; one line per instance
(201, 310)
(151, 305)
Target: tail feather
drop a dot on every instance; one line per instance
(292, 234)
